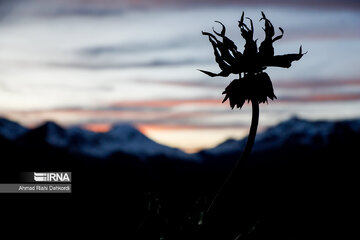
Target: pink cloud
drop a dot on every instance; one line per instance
(323, 98)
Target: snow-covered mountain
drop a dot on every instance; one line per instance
(124, 139)
(294, 131)
(294, 134)
(11, 130)
(291, 139)
(121, 138)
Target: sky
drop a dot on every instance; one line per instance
(93, 64)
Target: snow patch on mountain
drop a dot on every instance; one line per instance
(11, 130)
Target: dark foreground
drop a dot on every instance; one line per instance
(300, 187)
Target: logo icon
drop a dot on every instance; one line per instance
(52, 177)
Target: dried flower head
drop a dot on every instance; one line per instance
(255, 85)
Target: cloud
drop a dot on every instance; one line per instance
(123, 65)
(83, 11)
(159, 3)
(140, 47)
(166, 103)
(188, 112)
(279, 83)
(169, 113)
(317, 83)
(7, 7)
(285, 84)
(322, 98)
(106, 8)
(199, 83)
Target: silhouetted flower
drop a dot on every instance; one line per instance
(255, 85)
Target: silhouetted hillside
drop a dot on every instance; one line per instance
(299, 180)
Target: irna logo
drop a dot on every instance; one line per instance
(52, 177)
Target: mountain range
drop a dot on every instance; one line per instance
(300, 179)
(291, 149)
(290, 135)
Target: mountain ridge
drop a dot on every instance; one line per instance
(127, 139)
(120, 138)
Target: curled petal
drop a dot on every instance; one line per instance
(229, 44)
(285, 60)
(269, 28)
(223, 30)
(263, 15)
(280, 36)
(251, 24)
(220, 74)
(222, 57)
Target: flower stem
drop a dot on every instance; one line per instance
(251, 138)
(239, 166)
